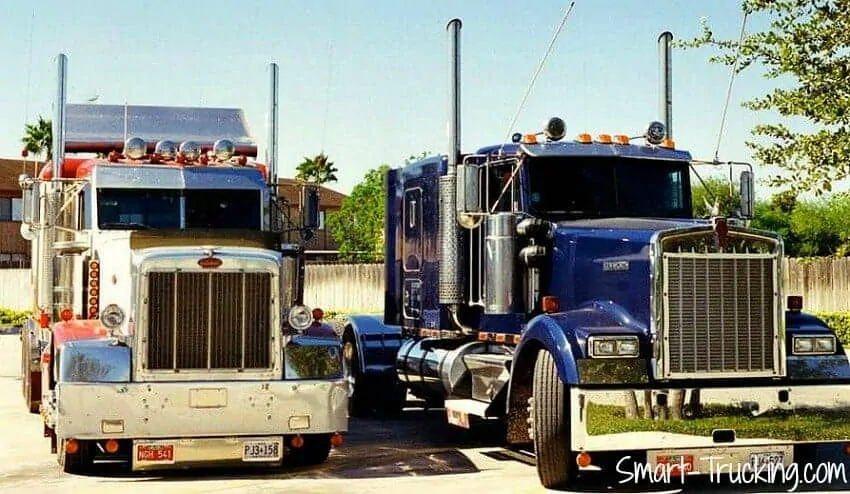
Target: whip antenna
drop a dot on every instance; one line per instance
(537, 72)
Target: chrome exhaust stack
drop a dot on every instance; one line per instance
(666, 95)
(271, 146)
(451, 287)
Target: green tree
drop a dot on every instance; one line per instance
(715, 190)
(38, 138)
(806, 44)
(358, 226)
(316, 170)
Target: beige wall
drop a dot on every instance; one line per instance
(824, 285)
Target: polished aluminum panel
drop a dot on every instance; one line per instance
(166, 177)
(209, 320)
(500, 255)
(100, 128)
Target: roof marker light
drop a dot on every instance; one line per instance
(668, 143)
(529, 139)
(621, 139)
(604, 138)
(584, 138)
(166, 149)
(223, 149)
(190, 150)
(135, 148)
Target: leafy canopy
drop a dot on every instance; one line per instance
(806, 44)
(359, 224)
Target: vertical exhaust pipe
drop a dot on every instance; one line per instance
(271, 147)
(454, 92)
(47, 281)
(452, 186)
(666, 102)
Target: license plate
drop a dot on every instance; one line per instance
(676, 465)
(155, 452)
(261, 450)
(767, 459)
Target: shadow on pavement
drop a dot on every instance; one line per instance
(416, 443)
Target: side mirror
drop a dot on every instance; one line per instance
(310, 207)
(29, 202)
(747, 194)
(468, 195)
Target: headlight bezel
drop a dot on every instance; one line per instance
(811, 341)
(107, 316)
(294, 312)
(595, 344)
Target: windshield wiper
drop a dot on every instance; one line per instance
(125, 226)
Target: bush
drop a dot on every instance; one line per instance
(9, 317)
(840, 324)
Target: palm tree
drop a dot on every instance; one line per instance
(38, 137)
(317, 170)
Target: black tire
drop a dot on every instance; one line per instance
(80, 463)
(358, 400)
(316, 449)
(381, 395)
(550, 424)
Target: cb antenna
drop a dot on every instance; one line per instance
(537, 73)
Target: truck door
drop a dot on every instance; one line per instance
(412, 254)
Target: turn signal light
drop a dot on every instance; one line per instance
(847, 449)
(111, 446)
(583, 459)
(297, 441)
(72, 446)
(336, 440)
(550, 304)
(795, 303)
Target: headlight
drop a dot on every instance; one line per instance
(814, 345)
(112, 316)
(300, 317)
(613, 346)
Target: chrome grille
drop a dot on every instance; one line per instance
(208, 320)
(720, 314)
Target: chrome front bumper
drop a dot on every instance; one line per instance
(200, 409)
(735, 425)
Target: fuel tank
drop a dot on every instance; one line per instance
(435, 368)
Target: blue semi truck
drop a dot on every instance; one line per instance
(564, 289)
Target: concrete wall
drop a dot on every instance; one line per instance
(823, 283)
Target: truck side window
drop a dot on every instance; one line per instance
(497, 179)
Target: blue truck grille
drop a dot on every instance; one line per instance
(720, 315)
(208, 320)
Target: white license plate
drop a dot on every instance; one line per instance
(261, 450)
(767, 459)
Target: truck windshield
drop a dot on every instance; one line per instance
(131, 209)
(565, 188)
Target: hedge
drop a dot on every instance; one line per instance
(838, 321)
(9, 317)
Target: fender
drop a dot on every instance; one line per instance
(77, 329)
(316, 354)
(813, 367)
(93, 361)
(377, 343)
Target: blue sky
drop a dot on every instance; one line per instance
(367, 81)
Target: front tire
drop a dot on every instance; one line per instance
(550, 424)
(383, 395)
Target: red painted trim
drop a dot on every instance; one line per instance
(77, 329)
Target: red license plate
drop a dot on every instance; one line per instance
(673, 464)
(155, 452)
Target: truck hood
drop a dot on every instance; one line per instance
(607, 260)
